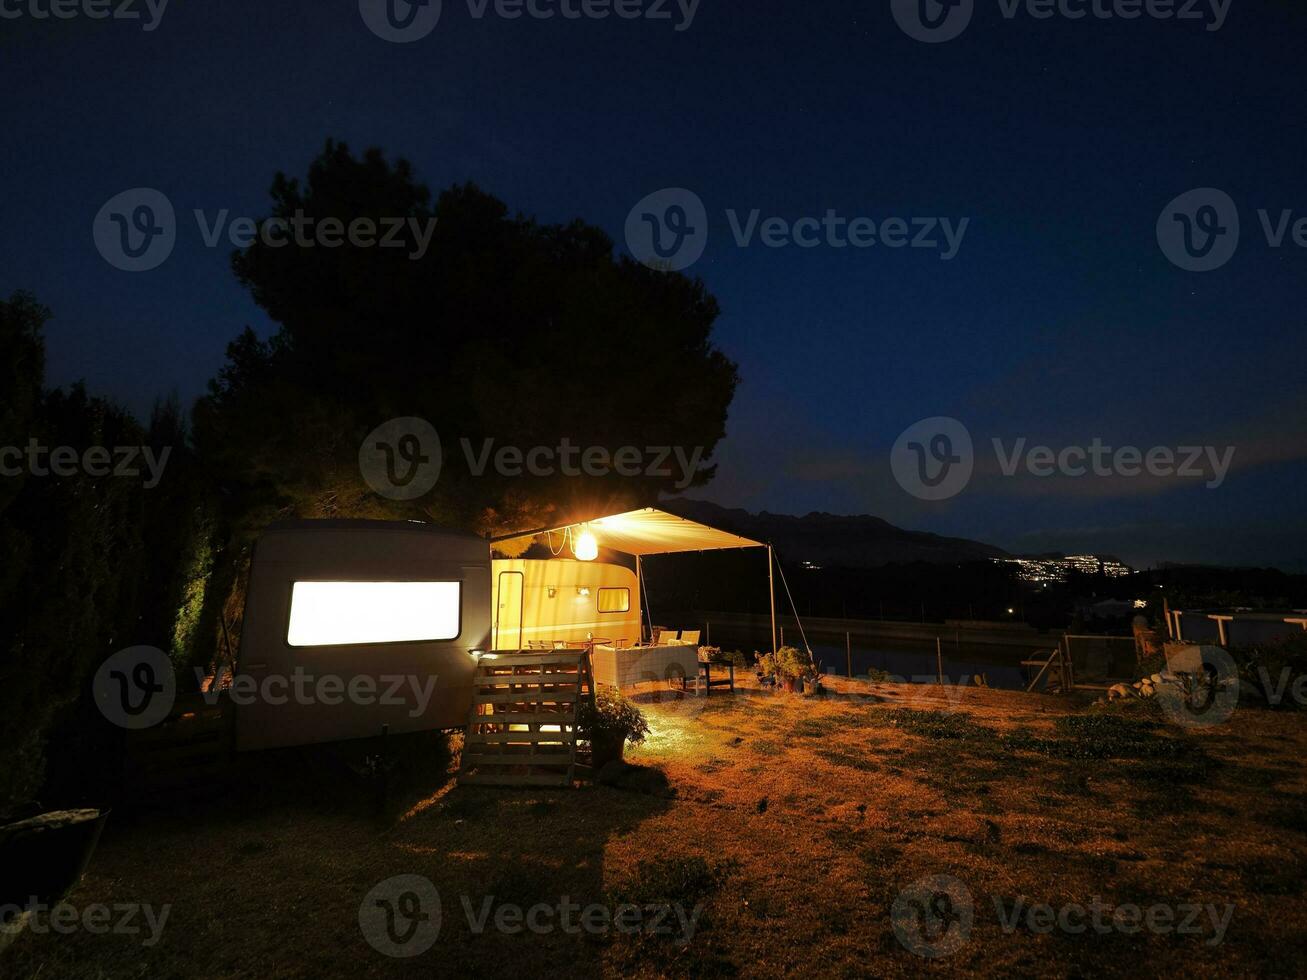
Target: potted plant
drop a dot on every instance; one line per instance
(43, 856)
(609, 722)
(789, 667)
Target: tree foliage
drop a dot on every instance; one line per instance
(502, 328)
(91, 561)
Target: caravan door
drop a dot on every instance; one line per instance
(509, 592)
(352, 625)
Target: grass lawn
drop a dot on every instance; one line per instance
(793, 823)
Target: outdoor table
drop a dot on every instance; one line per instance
(636, 665)
(705, 672)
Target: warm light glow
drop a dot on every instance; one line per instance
(585, 546)
(337, 613)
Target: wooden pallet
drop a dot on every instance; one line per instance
(522, 729)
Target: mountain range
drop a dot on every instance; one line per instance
(849, 541)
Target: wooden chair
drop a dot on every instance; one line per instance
(690, 638)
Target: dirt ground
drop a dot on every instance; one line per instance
(880, 830)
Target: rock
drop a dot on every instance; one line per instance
(1118, 691)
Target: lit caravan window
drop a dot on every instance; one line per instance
(614, 600)
(337, 613)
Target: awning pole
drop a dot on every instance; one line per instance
(771, 594)
(641, 598)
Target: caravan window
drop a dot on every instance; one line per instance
(339, 613)
(614, 600)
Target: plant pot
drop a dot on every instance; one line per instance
(605, 749)
(789, 683)
(42, 857)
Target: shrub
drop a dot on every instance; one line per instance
(788, 662)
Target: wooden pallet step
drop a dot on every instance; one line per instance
(516, 779)
(531, 697)
(516, 758)
(562, 738)
(492, 680)
(519, 749)
(566, 717)
(561, 727)
(567, 657)
(565, 728)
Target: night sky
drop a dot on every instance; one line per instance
(1059, 320)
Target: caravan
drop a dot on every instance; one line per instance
(353, 611)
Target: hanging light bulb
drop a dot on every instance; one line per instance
(584, 545)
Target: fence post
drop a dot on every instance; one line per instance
(848, 652)
(939, 660)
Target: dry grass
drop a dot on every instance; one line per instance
(810, 815)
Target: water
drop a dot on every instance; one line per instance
(901, 659)
(918, 665)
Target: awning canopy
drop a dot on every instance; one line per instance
(649, 532)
